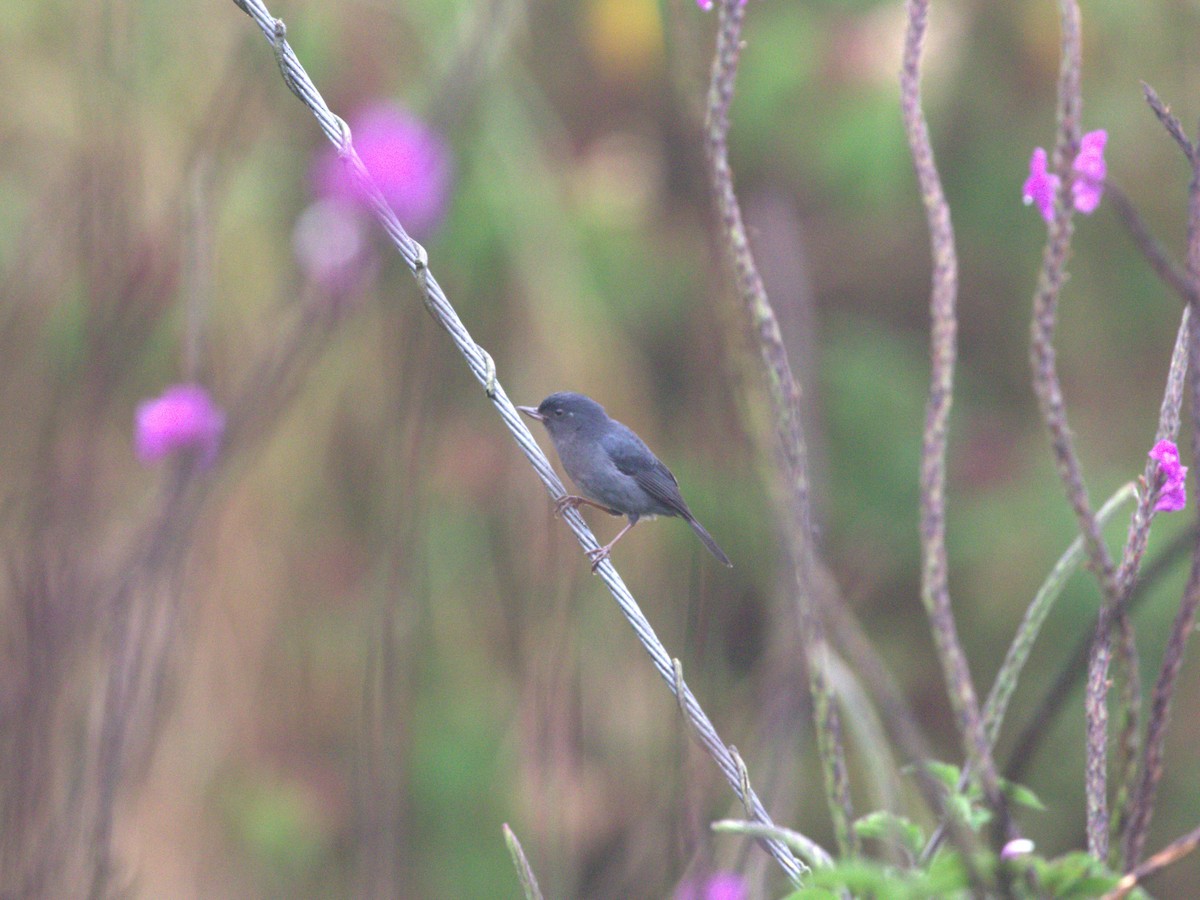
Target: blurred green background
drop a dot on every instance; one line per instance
(392, 647)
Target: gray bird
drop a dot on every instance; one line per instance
(613, 467)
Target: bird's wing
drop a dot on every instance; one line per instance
(634, 458)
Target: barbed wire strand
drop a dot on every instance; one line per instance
(484, 370)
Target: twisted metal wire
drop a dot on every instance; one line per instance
(484, 369)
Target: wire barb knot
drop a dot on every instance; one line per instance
(489, 364)
(345, 144)
(420, 269)
(680, 687)
(744, 788)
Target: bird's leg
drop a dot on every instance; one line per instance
(600, 554)
(562, 504)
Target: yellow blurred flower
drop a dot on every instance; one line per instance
(624, 37)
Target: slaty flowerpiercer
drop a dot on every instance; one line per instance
(612, 467)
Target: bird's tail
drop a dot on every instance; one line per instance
(708, 541)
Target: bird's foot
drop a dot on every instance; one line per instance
(597, 556)
(570, 501)
(562, 504)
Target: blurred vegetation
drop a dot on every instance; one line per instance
(392, 647)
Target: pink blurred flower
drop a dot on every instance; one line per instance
(183, 417)
(719, 886)
(1040, 187)
(331, 244)
(1016, 847)
(1172, 478)
(409, 161)
(1087, 187)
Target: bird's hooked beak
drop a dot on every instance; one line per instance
(532, 412)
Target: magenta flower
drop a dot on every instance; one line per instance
(409, 161)
(719, 886)
(183, 417)
(1041, 186)
(1090, 170)
(1171, 483)
(1087, 180)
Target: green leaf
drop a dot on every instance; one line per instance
(887, 826)
(1075, 875)
(862, 878)
(978, 817)
(944, 772)
(1092, 886)
(947, 873)
(963, 810)
(812, 893)
(1021, 795)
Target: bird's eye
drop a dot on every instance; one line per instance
(558, 412)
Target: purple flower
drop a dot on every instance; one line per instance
(1040, 187)
(705, 5)
(719, 886)
(409, 161)
(1087, 180)
(1016, 847)
(1090, 170)
(184, 417)
(1171, 482)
